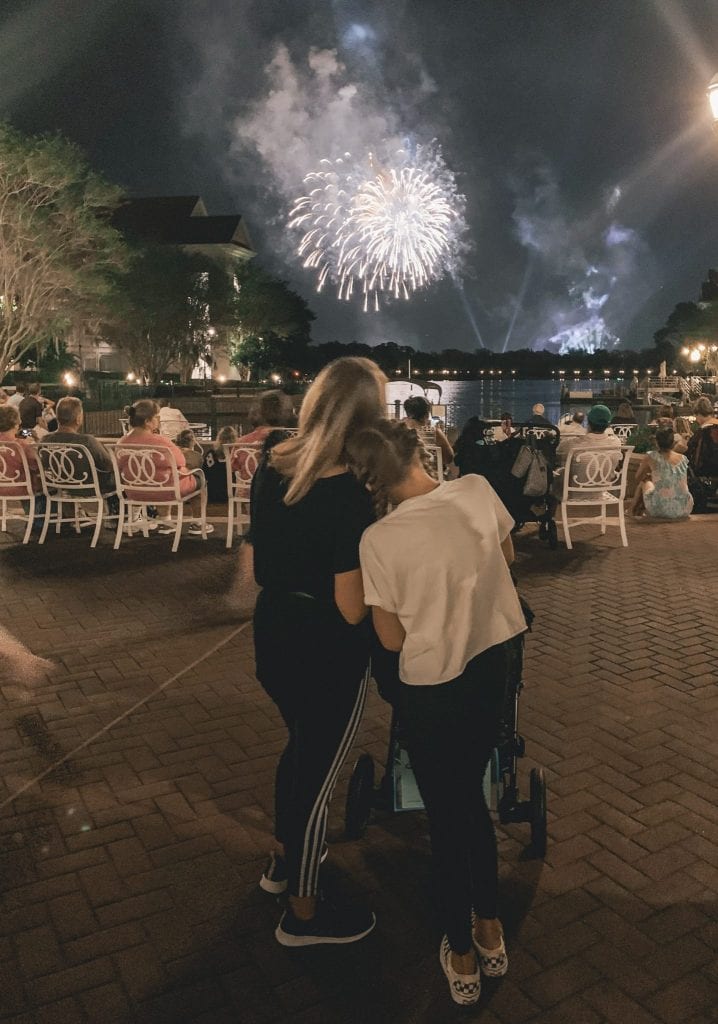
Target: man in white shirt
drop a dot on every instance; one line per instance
(171, 420)
(17, 397)
(599, 417)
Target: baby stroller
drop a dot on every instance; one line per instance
(511, 468)
(398, 790)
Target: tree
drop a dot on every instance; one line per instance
(57, 247)
(267, 308)
(689, 322)
(169, 305)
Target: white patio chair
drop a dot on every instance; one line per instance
(436, 468)
(16, 486)
(623, 430)
(150, 476)
(124, 425)
(595, 477)
(69, 476)
(241, 461)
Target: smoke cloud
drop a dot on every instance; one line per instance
(594, 271)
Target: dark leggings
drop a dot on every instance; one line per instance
(451, 731)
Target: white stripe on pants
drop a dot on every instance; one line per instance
(316, 825)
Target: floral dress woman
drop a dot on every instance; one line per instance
(666, 496)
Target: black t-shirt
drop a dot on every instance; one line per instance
(300, 547)
(215, 472)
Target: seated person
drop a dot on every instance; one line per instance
(144, 420)
(3, 396)
(171, 419)
(682, 432)
(538, 417)
(274, 409)
(33, 409)
(702, 450)
(192, 450)
(418, 412)
(624, 414)
(663, 417)
(214, 465)
(505, 429)
(662, 481)
(18, 395)
(70, 420)
(575, 426)
(599, 418)
(9, 427)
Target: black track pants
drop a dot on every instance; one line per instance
(322, 704)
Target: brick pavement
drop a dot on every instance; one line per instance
(129, 874)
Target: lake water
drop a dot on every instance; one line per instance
(489, 398)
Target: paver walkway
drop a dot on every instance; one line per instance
(129, 873)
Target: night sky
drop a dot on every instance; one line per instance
(578, 131)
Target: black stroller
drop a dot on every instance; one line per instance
(398, 791)
(477, 452)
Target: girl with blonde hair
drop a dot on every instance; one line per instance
(308, 512)
(453, 623)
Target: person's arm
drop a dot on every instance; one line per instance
(349, 596)
(644, 470)
(447, 452)
(388, 628)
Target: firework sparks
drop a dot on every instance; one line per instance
(380, 227)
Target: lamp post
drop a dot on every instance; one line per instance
(713, 99)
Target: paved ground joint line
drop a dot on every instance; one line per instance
(125, 714)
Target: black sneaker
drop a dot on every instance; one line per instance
(274, 879)
(329, 925)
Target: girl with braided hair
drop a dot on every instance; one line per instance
(436, 576)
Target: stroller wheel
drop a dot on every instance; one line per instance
(552, 531)
(543, 530)
(538, 811)
(360, 797)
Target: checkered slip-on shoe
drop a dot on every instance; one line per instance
(465, 988)
(494, 963)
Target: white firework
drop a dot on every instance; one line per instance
(380, 228)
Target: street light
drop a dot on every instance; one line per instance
(713, 99)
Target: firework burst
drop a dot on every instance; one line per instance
(380, 227)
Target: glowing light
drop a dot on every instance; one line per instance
(713, 98)
(380, 227)
(211, 332)
(69, 380)
(695, 356)
(685, 351)
(131, 377)
(221, 378)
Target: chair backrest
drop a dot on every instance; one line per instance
(146, 473)
(242, 463)
(67, 467)
(595, 470)
(124, 424)
(15, 477)
(623, 430)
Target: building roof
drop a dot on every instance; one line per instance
(180, 220)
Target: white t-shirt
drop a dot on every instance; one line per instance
(15, 398)
(436, 562)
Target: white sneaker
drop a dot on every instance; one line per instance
(196, 530)
(465, 988)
